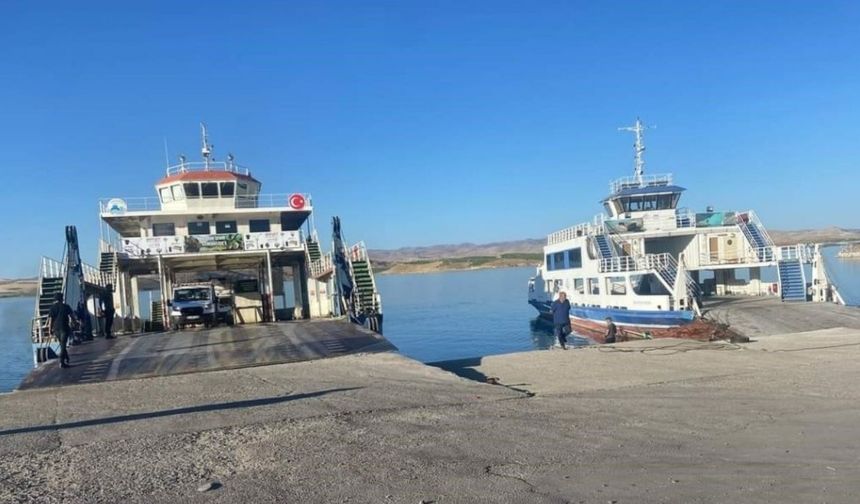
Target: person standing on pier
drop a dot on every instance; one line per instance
(60, 319)
(561, 319)
(108, 310)
(611, 331)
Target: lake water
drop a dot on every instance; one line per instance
(429, 317)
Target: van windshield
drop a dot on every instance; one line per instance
(191, 295)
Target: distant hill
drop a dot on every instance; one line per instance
(831, 234)
(18, 287)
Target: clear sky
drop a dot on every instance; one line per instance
(429, 122)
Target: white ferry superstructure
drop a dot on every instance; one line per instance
(641, 262)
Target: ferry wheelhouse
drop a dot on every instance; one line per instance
(644, 262)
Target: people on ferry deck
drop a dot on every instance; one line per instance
(611, 331)
(108, 310)
(60, 318)
(561, 319)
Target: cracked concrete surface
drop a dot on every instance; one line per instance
(662, 421)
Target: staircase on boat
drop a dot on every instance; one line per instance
(792, 280)
(604, 246)
(365, 286)
(757, 236)
(156, 316)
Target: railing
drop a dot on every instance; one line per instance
(584, 229)
(758, 253)
(358, 252)
(198, 166)
(801, 251)
(645, 262)
(321, 266)
(119, 206)
(646, 180)
(684, 218)
(224, 242)
(51, 268)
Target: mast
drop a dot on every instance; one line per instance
(206, 149)
(638, 130)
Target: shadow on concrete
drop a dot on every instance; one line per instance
(464, 368)
(250, 403)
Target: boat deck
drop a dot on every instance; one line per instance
(190, 351)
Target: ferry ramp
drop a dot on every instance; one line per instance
(190, 351)
(756, 317)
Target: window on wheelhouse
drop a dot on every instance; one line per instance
(166, 196)
(176, 190)
(228, 189)
(192, 190)
(594, 286)
(164, 229)
(198, 228)
(209, 189)
(616, 286)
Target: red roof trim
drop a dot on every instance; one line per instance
(202, 176)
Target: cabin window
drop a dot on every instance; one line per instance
(259, 225)
(192, 190)
(164, 229)
(166, 196)
(209, 189)
(223, 227)
(616, 286)
(594, 286)
(558, 260)
(228, 189)
(176, 191)
(579, 285)
(198, 228)
(549, 265)
(574, 258)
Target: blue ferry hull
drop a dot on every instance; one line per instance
(592, 321)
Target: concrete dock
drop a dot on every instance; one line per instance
(775, 420)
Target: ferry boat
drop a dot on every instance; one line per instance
(644, 262)
(257, 257)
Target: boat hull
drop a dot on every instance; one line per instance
(633, 324)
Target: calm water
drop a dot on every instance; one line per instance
(429, 317)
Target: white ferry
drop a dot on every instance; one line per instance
(643, 263)
(210, 224)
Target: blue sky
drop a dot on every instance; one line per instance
(429, 122)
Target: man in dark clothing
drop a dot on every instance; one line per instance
(108, 311)
(611, 331)
(561, 319)
(60, 319)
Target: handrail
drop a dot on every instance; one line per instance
(153, 204)
(656, 180)
(198, 166)
(753, 217)
(321, 266)
(584, 229)
(644, 262)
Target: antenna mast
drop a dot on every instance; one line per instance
(638, 130)
(206, 149)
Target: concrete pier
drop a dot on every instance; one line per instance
(639, 422)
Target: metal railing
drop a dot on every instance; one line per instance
(759, 255)
(358, 252)
(198, 166)
(801, 251)
(753, 218)
(153, 204)
(662, 179)
(644, 262)
(321, 266)
(585, 229)
(684, 218)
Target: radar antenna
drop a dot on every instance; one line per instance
(638, 130)
(206, 149)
